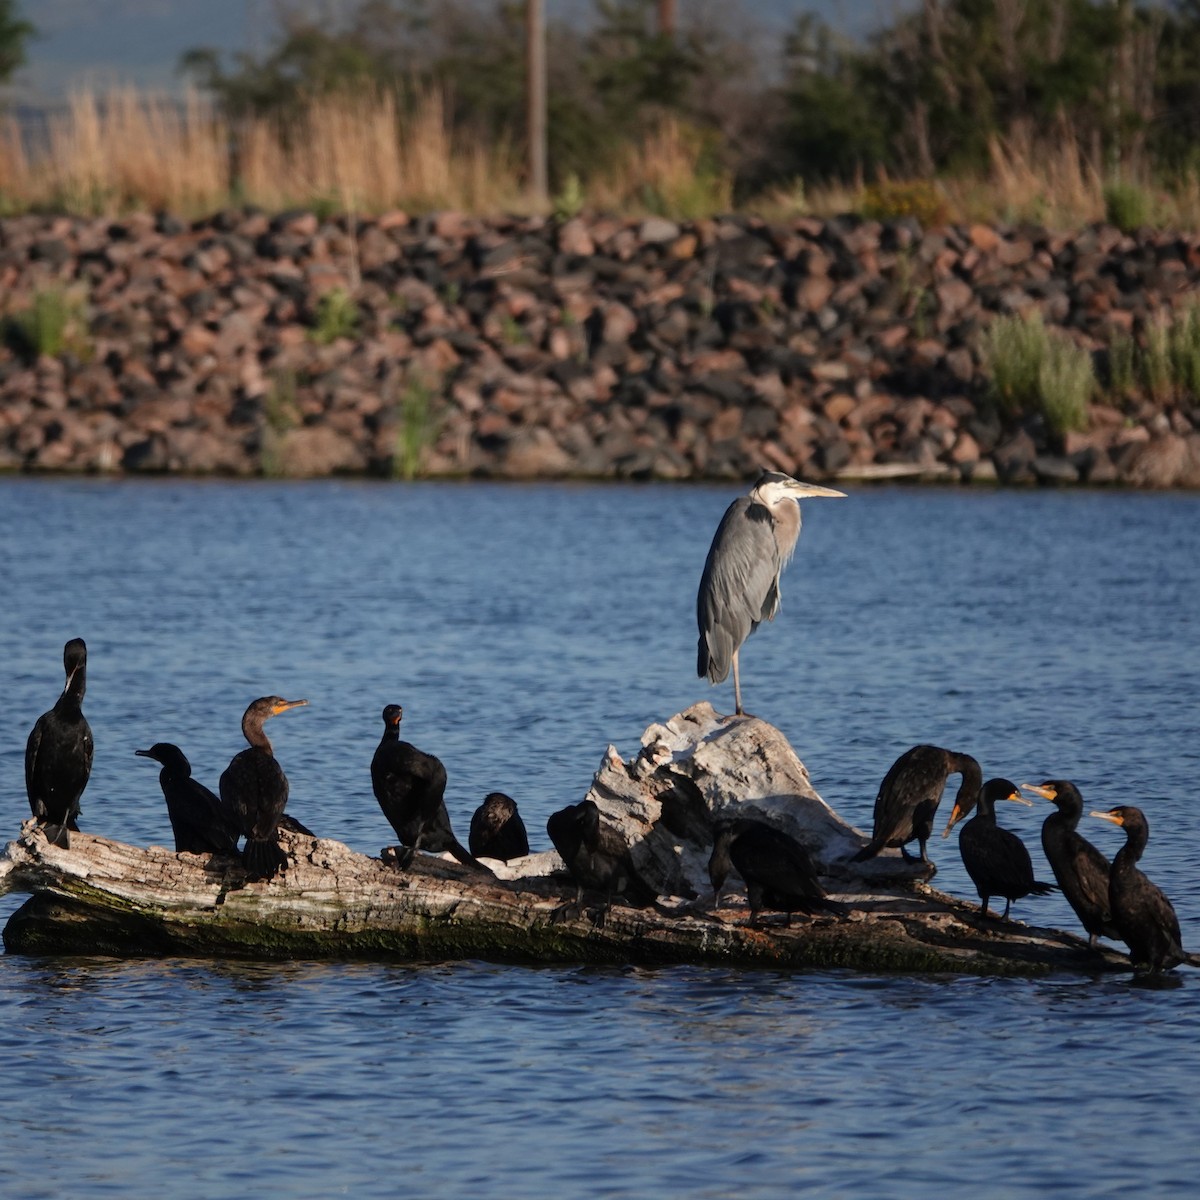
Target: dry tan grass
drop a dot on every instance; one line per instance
(664, 172)
(127, 149)
(360, 153)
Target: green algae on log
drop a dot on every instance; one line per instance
(106, 897)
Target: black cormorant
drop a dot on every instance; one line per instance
(995, 858)
(1144, 917)
(58, 754)
(910, 794)
(202, 823)
(410, 786)
(777, 869)
(1081, 870)
(255, 788)
(497, 830)
(596, 855)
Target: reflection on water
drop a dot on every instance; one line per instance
(523, 629)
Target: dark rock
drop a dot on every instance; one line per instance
(1014, 458)
(1050, 469)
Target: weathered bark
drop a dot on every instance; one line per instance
(332, 902)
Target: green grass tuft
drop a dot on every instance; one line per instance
(1037, 370)
(416, 413)
(337, 317)
(1128, 206)
(55, 323)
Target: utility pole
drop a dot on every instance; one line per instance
(535, 97)
(666, 18)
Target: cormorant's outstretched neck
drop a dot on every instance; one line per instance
(58, 754)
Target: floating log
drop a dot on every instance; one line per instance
(105, 897)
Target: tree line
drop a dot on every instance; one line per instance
(929, 94)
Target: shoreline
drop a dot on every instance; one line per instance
(446, 346)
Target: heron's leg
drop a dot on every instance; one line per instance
(737, 687)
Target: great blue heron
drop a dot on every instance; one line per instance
(740, 585)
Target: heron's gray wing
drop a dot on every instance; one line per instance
(739, 586)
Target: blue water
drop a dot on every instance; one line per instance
(524, 628)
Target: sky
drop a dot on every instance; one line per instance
(98, 43)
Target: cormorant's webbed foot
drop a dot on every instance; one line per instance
(399, 857)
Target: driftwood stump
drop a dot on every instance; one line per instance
(105, 897)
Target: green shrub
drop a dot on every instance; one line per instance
(1122, 365)
(1013, 349)
(280, 414)
(1127, 206)
(337, 316)
(54, 323)
(1185, 352)
(1036, 370)
(1157, 373)
(416, 426)
(1066, 383)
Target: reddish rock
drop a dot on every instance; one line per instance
(1158, 463)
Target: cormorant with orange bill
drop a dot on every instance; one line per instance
(255, 788)
(1144, 917)
(1081, 870)
(909, 796)
(995, 858)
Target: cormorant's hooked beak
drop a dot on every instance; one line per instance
(1046, 793)
(143, 754)
(1115, 818)
(956, 815)
(799, 489)
(1017, 798)
(284, 705)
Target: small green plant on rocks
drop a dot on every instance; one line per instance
(1122, 366)
(416, 413)
(1127, 206)
(337, 317)
(1185, 352)
(280, 414)
(54, 323)
(569, 201)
